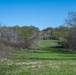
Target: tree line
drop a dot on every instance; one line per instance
(23, 37)
(16, 37)
(66, 34)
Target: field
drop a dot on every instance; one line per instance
(48, 59)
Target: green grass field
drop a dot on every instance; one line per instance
(48, 59)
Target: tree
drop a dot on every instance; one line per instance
(60, 32)
(71, 22)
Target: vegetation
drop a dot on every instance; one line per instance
(17, 37)
(49, 59)
(71, 39)
(65, 34)
(28, 51)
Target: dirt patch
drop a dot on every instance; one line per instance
(26, 63)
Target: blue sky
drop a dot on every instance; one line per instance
(40, 13)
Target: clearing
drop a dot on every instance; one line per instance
(48, 59)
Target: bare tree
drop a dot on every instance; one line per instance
(71, 22)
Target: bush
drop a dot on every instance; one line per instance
(3, 51)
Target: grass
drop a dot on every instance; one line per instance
(48, 59)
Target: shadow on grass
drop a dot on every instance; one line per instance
(55, 49)
(64, 58)
(62, 53)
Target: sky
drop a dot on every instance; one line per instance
(39, 13)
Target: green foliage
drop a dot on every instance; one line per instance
(61, 32)
(71, 38)
(18, 36)
(26, 31)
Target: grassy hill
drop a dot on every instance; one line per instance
(48, 59)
